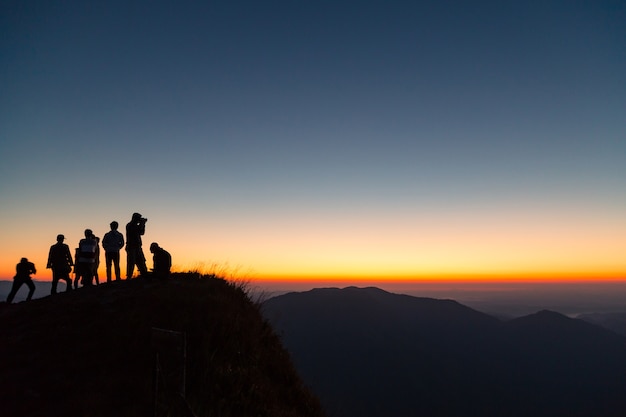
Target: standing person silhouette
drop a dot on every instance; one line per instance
(22, 276)
(60, 261)
(134, 254)
(112, 242)
(86, 259)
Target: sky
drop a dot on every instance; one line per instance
(298, 140)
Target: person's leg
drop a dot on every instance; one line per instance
(141, 263)
(131, 254)
(108, 256)
(17, 283)
(55, 281)
(68, 281)
(31, 289)
(80, 274)
(116, 264)
(87, 275)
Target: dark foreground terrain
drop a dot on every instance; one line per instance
(367, 352)
(93, 352)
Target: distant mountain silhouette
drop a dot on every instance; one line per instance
(42, 289)
(368, 352)
(612, 321)
(92, 352)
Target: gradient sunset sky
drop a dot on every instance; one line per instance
(320, 139)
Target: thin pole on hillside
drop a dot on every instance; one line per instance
(170, 355)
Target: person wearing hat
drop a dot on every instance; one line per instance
(22, 276)
(60, 261)
(134, 254)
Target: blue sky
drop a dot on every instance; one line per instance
(273, 135)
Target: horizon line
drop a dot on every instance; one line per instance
(431, 279)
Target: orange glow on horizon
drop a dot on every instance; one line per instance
(44, 274)
(477, 244)
(447, 278)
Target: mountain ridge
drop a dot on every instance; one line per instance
(421, 356)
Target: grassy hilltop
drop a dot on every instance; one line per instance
(91, 352)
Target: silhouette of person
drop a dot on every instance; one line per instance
(60, 261)
(134, 254)
(22, 276)
(97, 263)
(112, 242)
(162, 261)
(86, 258)
(76, 269)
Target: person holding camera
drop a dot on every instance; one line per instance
(134, 254)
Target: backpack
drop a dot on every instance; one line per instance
(87, 251)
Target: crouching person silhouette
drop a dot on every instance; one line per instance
(60, 261)
(162, 261)
(22, 276)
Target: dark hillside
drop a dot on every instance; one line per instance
(91, 352)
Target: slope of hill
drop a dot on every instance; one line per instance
(92, 352)
(368, 352)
